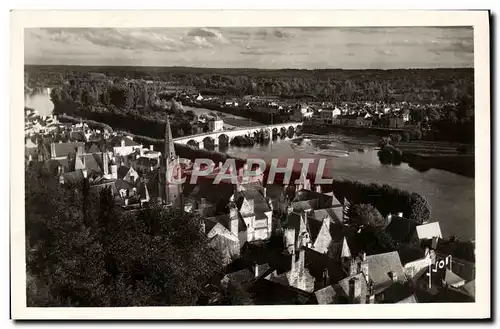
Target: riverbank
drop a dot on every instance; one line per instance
(421, 155)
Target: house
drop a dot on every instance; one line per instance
(62, 150)
(327, 115)
(385, 270)
(429, 231)
(396, 122)
(215, 124)
(123, 145)
(406, 115)
(255, 209)
(127, 174)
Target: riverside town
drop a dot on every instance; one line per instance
(278, 177)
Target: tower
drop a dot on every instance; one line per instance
(172, 194)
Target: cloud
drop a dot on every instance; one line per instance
(273, 47)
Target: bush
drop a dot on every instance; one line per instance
(368, 215)
(385, 198)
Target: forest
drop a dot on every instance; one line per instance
(425, 85)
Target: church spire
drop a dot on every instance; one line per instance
(169, 142)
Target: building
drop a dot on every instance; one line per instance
(396, 122)
(123, 145)
(215, 124)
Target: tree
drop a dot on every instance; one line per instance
(153, 257)
(368, 215)
(406, 136)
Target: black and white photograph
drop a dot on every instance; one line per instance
(259, 164)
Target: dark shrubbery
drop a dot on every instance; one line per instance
(385, 198)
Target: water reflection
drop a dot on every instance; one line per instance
(40, 101)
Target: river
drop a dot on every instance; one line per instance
(450, 196)
(40, 101)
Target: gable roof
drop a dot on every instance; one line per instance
(93, 162)
(73, 177)
(470, 288)
(409, 300)
(344, 287)
(429, 231)
(117, 141)
(332, 213)
(380, 265)
(63, 149)
(94, 149)
(451, 278)
(122, 171)
(326, 295)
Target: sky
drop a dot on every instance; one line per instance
(254, 47)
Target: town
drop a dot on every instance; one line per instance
(296, 243)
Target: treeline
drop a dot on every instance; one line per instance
(334, 85)
(82, 251)
(385, 198)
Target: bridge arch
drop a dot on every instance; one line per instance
(209, 143)
(193, 143)
(223, 139)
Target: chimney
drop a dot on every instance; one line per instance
(393, 276)
(365, 269)
(59, 170)
(151, 147)
(256, 270)
(85, 173)
(114, 171)
(234, 218)
(122, 143)
(52, 150)
(265, 192)
(326, 278)
(126, 202)
(318, 188)
(354, 290)
(105, 164)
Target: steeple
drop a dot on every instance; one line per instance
(172, 194)
(169, 142)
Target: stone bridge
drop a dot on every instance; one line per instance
(225, 136)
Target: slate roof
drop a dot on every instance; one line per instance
(429, 231)
(122, 171)
(93, 162)
(395, 293)
(409, 300)
(379, 267)
(470, 288)
(94, 149)
(117, 141)
(105, 184)
(228, 247)
(214, 194)
(63, 149)
(52, 164)
(451, 278)
(73, 177)
(299, 206)
(344, 287)
(123, 185)
(327, 295)
(332, 213)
